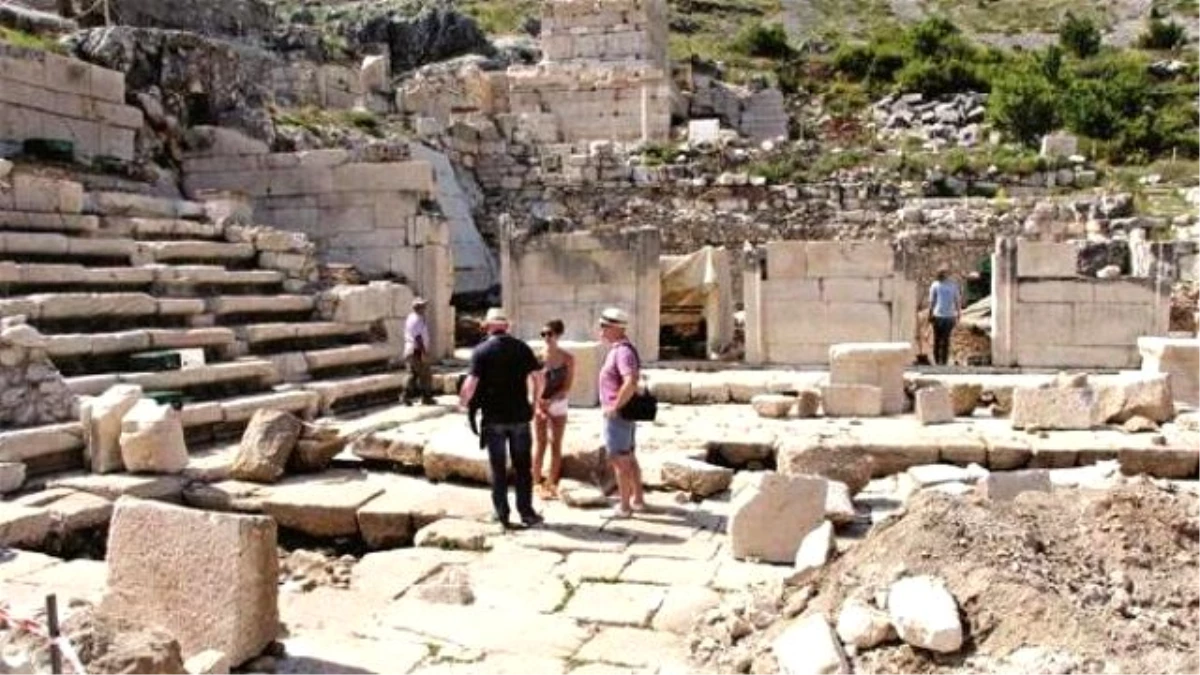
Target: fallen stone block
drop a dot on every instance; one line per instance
(770, 518)
(23, 525)
(101, 420)
(1053, 408)
(580, 495)
(696, 477)
(1003, 486)
(876, 364)
(964, 398)
(320, 509)
(839, 508)
(210, 579)
(455, 534)
(925, 614)
(863, 626)
(315, 449)
(1180, 357)
(813, 552)
(455, 453)
(808, 403)
(844, 462)
(933, 405)
(773, 406)
(12, 476)
(1126, 395)
(266, 446)
(70, 510)
(152, 439)
(1160, 462)
(808, 646)
(851, 400)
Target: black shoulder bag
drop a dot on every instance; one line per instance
(642, 406)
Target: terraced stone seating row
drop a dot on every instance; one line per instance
(182, 298)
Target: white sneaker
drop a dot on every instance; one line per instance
(619, 513)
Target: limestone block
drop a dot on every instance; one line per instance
(320, 509)
(152, 439)
(1178, 356)
(365, 304)
(210, 579)
(1114, 324)
(813, 552)
(770, 518)
(773, 406)
(1051, 408)
(1003, 486)
(696, 477)
(848, 259)
(101, 420)
(808, 646)
(933, 405)
(455, 453)
(876, 364)
(851, 400)
(23, 526)
(925, 614)
(808, 403)
(268, 442)
(863, 626)
(12, 475)
(671, 387)
(709, 389)
(1131, 394)
(1046, 259)
(842, 462)
(964, 398)
(787, 260)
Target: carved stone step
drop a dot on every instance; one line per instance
(354, 355)
(170, 276)
(255, 370)
(166, 251)
(259, 304)
(335, 390)
(160, 228)
(53, 306)
(83, 344)
(140, 206)
(31, 221)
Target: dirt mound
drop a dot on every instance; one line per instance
(1067, 581)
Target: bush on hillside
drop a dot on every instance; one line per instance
(1024, 104)
(762, 40)
(1163, 35)
(1080, 36)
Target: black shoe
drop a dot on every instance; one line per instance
(428, 400)
(504, 522)
(532, 520)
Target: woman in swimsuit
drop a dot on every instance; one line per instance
(550, 413)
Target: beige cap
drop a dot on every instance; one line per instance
(612, 316)
(496, 315)
(419, 302)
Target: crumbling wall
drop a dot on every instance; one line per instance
(47, 96)
(611, 30)
(805, 296)
(1046, 315)
(608, 101)
(573, 276)
(376, 216)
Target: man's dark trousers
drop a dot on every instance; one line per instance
(502, 439)
(943, 326)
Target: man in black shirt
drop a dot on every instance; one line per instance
(503, 372)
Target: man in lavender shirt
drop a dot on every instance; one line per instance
(618, 383)
(416, 354)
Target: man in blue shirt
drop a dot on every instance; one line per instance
(945, 310)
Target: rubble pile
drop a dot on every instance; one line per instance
(1061, 581)
(946, 121)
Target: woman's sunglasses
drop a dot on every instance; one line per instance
(547, 333)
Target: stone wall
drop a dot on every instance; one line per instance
(47, 96)
(376, 216)
(32, 391)
(574, 276)
(806, 296)
(609, 101)
(610, 30)
(757, 113)
(1046, 315)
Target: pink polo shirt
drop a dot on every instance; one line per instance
(619, 363)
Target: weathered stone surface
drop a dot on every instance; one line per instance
(743, 448)
(387, 520)
(770, 519)
(699, 478)
(839, 508)
(621, 604)
(315, 454)
(447, 586)
(1161, 462)
(851, 400)
(1003, 486)
(452, 533)
(23, 525)
(113, 486)
(455, 453)
(102, 426)
(70, 510)
(809, 645)
(773, 406)
(1128, 394)
(12, 475)
(925, 614)
(208, 662)
(813, 551)
(320, 509)
(846, 463)
(1051, 408)
(964, 398)
(933, 405)
(208, 578)
(1180, 357)
(863, 626)
(874, 364)
(266, 446)
(581, 495)
(152, 439)
(808, 403)
(682, 606)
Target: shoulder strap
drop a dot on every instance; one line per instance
(636, 355)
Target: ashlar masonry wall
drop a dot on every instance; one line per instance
(805, 296)
(371, 215)
(574, 276)
(1045, 315)
(47, 96)
(607, 30)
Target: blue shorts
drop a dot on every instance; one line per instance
(619, 436)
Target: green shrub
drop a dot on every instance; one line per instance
(937, 78)
(1162, 35)
(1080, 36)
(1024, 104)
(758, 39)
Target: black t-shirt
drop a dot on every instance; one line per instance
(503, 364)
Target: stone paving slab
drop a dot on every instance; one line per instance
(496, 664)
(15, 563)
(617, 604)
(682, 606)
(592, 566)
(734, 575)
(527, 634)
(631, 647)
(390, 573)
(570, 539)
(336, 652)
(669, 572)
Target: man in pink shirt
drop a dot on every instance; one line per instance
(618, 383)
(416, 354)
